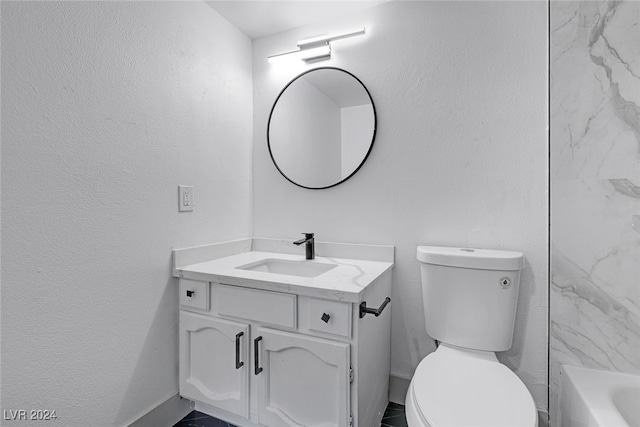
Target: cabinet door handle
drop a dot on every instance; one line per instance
(239, 364)
(190, 293)
(256, 354)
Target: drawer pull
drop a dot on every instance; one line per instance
(190, 293)
(256, 355)
(325, 318)
(239, 364)
(375, 311)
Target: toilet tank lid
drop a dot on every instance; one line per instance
(484, 259)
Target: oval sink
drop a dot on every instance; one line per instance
(288, 267)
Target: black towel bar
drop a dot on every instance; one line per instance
(375, 311)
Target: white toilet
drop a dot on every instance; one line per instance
(470, 298)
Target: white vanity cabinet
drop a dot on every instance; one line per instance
(213, 355)
(266, 358)
(302, 380)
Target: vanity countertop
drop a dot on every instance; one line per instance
(346, 282)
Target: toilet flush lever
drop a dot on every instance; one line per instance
(364, 310)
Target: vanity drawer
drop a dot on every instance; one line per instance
(273, 308)
(332, 317)
(194, 294)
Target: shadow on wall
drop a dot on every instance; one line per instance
(513, 357)
(156, 366)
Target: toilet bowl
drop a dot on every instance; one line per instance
(469, 298)
(454, 387)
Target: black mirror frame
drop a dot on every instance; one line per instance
(373, 137)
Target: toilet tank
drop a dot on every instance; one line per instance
(470, 295)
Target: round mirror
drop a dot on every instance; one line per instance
(321, 128)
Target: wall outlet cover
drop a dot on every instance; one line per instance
(185, 198)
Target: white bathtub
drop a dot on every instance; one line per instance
(592, 398)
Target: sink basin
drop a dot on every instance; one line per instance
(291, 268)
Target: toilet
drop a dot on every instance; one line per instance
(470, 298)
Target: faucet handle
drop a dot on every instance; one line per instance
(308, 239)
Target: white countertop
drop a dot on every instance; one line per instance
(346, 282)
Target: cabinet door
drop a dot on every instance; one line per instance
(213, 362)
(304, 380)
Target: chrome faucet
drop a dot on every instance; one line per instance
(309, 247)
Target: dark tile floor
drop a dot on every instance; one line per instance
(393, 417)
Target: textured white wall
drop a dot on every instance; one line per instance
(460, 156)
(106, 108)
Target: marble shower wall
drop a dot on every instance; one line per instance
(595, 188)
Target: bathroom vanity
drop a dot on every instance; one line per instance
(268, 338)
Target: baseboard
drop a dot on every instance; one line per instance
(166, 414)
(398, 386)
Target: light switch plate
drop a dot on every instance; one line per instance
(185, 198)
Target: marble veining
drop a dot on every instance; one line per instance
(626, 187)
(595, 89)
(608, 334)
(595, 188)
(346, 282)
(594, 295)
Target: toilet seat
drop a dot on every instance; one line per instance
(455, 387)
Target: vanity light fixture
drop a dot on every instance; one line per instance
(314, 48)
(309, 54)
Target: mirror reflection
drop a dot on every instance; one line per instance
(321, 128)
